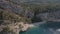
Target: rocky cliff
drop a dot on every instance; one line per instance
(13, 12)
(50, 16)
(11, 23)
(39, 12)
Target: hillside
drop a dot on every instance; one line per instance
(13, 12)
(37, 1)
(30, 11)
(12, 23)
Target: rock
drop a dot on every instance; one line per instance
(49, 16)
(16, 28)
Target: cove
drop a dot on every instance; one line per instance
(36, 30)
(44, 29)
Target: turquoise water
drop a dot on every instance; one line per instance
(36, 30)
(43, 29)
(33, 30)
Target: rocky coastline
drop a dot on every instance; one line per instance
(16, 28)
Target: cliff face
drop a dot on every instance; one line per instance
(50, 16)
(13, 12)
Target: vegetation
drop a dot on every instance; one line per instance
(7, 31)
(36, 9)
(8, 14)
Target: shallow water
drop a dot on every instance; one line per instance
(49, 28)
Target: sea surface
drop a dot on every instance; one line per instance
(48, 28)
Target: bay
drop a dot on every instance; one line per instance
(48, 28)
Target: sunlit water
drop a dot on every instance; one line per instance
(50, 28)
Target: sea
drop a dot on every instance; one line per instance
(47, 28)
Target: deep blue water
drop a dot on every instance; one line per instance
(44, 29)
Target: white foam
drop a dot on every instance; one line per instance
(31, 25)
(58, 30)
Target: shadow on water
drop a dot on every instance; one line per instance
(54, 25)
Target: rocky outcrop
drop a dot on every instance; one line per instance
(18, 27)
(14, 28)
